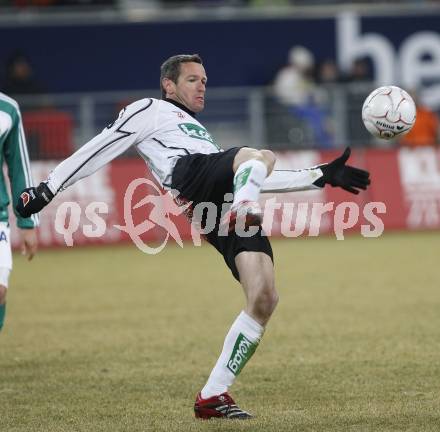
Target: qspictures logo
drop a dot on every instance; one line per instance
(163, 206)
(159, 208)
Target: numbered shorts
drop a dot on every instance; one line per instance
(5, 254)
(207, 178)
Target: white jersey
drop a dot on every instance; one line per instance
(160, 131)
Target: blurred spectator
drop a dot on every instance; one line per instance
(358, 77)
(328, 72)
(360, 71)
(53, 3)
(425, 131)
(20, 77)
(295, 87)
(85, 3)
(49, 130)
(258, 3)
(202, 3)
(294, 83)
(35, 3)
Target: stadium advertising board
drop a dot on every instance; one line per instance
(122, 203)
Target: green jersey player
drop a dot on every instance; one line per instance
(13, 152)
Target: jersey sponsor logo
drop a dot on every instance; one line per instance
(242, 352)
(196, 131)
(3, 236)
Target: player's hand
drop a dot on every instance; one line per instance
(29, 242)
(33, 199)
(349, 178)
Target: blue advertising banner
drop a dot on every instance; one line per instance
(403, 50)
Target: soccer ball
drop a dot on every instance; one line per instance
(388, 112)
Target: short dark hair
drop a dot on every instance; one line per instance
(171, 67)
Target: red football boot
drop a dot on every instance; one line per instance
(222, 406)
(248, 211)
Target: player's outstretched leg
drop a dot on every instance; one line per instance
(251, 167)
(256, 277)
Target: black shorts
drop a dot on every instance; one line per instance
(207, 178)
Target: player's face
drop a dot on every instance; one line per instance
(191, 87)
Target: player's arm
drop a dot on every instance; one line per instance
(28, 242)
(131, 126)
(19, 172)
(335, 173)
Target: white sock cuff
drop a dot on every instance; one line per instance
(253, 330)
(255, 164)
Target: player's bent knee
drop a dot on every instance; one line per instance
(243, 155)
(246, 153)
(264, 302)
(273, 300)
(270, 159)
(267, 157)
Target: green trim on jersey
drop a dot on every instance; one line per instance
(198, 132)
(13, 151)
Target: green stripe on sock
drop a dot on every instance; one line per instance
(2, 314)
(242, 352)
(241, 178)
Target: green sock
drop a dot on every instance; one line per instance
(2, 314)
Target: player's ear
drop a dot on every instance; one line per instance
(169, 86)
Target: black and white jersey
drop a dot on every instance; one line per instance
(160, 131)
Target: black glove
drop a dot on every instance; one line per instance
(33, 199)
(349, 178)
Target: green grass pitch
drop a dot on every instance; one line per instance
(110, 339)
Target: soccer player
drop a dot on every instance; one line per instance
(13, 150)
(183, 156)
